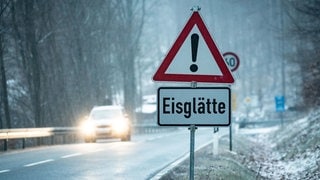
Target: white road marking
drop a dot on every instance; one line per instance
(79, 154)
(38, 163)
(4, 171)
(96, 150)
(71, 155)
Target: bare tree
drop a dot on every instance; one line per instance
(304, 30)
(4, 6)
(68, 56)
(129, 29)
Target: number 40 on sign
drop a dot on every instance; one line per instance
(232, 60)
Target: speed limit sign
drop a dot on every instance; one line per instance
(232, 60)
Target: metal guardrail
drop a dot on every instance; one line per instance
(34, 132)
(25, 133)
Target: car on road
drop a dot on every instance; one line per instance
(107, 122)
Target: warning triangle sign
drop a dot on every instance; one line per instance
(194, 57)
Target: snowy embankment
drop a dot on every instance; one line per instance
(288, 152)
(294, 150)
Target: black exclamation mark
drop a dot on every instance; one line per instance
(194, 51)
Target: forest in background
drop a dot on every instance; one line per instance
(58, 58)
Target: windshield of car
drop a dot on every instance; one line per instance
(105, 114)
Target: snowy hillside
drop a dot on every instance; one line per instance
(295, 150)
(291, 152)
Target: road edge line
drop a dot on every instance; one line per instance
(175, 163)
(4, 171)
(38, 163)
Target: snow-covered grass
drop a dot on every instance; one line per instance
(226, 165)
(296, 149)
(292, 151)
(288, 152)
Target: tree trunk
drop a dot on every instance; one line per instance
(3, 77)
(34, 63)
(4, 89)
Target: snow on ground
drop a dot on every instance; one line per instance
(258, 130)
(288, 152)
(292, 151)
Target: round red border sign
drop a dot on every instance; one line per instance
(232, 60)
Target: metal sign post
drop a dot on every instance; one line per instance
(192, 129)
(215, 142)
(230, 136)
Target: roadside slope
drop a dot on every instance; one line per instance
(296, 149)
(226, 165)
(290, 152)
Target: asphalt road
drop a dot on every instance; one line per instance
(141, 158)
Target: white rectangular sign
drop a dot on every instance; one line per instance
(202, 106)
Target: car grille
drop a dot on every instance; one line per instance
(103, 126)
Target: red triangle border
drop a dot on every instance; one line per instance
(226, 76)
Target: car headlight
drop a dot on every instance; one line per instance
(87, 128)
(120, 126)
